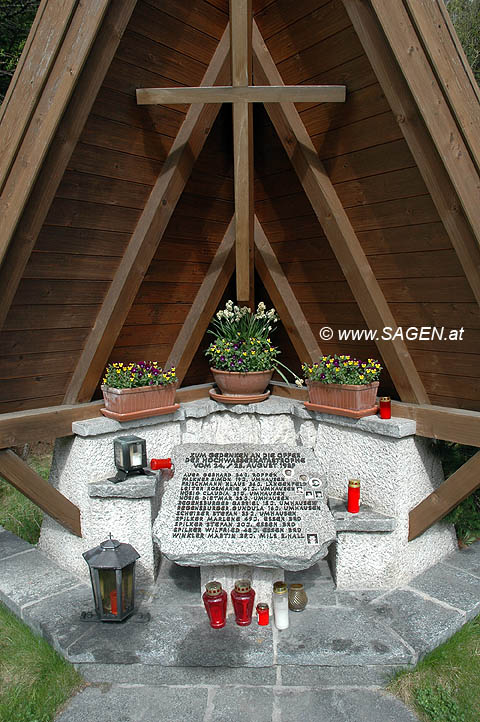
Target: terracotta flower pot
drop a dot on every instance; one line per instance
(139, 402)
(343, 399)
(235, 383)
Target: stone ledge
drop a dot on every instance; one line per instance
(135, 487)
(275, 405)
(367, 519)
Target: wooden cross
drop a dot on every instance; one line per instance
(242, 93)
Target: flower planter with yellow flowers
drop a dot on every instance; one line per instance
(136, 391)
(343, 386)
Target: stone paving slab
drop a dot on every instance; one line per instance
(12, 544)
(26, 578)
(155, 675)
(421, 623)
(453, 586)
(374, 675)
(335, 636)
(467, 559)
(341, 706)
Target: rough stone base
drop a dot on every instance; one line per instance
(261, 578)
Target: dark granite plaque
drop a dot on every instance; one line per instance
(245, 504)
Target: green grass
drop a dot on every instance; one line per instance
(17, 513)
(445, 685)
(34, 679)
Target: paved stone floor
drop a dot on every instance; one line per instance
(329, 666)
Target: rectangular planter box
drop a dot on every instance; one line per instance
(140, 402)
(343, 399)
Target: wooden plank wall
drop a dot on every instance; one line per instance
(375, 176)
(103, 192)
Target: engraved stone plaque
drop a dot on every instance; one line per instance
(260, 505)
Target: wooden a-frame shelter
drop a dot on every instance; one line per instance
(137, 180)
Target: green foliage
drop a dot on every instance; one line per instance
(438, 704)
(465, 16)
(343, 370)
(18, 514)
(133, 376)
(444, 687)
(16, 17)
(34, 679)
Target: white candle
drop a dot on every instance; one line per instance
(135, 455)
(280, 608)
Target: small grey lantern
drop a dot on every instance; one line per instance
(130, 454)
(112, 573)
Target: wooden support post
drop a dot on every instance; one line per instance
(55, 97)
(148, 233)
(418, 139)
(204, 305)
(438, 422)
(338, 229)
(61, 149)
(284, 299)
(241, 42)
(23, 478)
(448, 495)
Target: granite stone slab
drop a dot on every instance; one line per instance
(135, 487)
(419, 622)
(373, 675)
(231, 705)
(12, 544)
(454, 586)
(341, 706)
(103, 425)
(467, 559)
(156, 675)
(27, 578)
(126, 704)
(367, 519)
(334, 636)
(251, 504)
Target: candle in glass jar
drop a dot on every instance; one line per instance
(353, 499)
(263, 613)
(280, 605)
(385, 407)
(215, 601)
(242, 599)
(136, 455)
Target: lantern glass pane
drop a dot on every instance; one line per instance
(108, 591)
(119, 461)
(136, 455)
(127, 588)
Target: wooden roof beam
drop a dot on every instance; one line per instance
(43, 494)
(148, 233)
(431, 103)
(241, 43)
(251, 94)
(61, 149)
(338, 229)
(445, 498)
(204, 305)
(44, 122)
(284, 299)
(418, 139)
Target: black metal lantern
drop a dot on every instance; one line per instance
(130, 453)
(112, 573)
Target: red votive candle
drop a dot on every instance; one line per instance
(263, 613)
(113, 601)
(156, 464)
(353, 499)
(215, 601)
(385, 407)
(242, 598)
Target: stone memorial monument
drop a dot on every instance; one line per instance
(247, 505)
